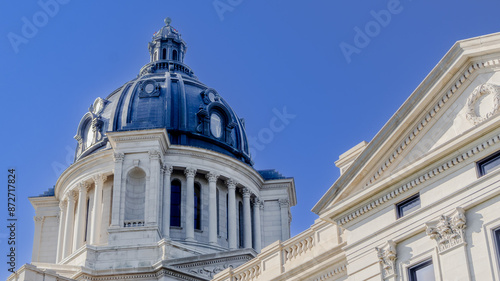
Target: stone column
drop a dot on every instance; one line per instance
(285, 227)
(60, 239)
(166, 201)
(153, 192)
(37, 238)
(97, 208)
(81, 216)
(69, 224)
(212, 207)
(189, 209)
(117, 191)
(247, 219)
(231, 213)
(256, 225)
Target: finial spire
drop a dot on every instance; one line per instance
(168, 20)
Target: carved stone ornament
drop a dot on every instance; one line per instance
(190, 172)
(209, 271)
(212, 177)
(154, 154)
(99, 179)
(246, 192)
(149, 89)
(387, 257)
(284, 203)
(448, 231)
(167, 170)
(118, 157)
(483, 103)
(39, 219)
(231, 183)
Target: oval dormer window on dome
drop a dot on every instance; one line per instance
(216, 125)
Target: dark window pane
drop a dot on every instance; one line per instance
(409, 205)
(197, 206)
(240, 217)
(497, 244)
(489, 164)
(175, 203)
(422, 272)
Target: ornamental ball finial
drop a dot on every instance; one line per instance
(168, 20)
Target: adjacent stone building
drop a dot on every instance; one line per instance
(421, 201)
(162, 187)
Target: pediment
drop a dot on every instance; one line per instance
(462, 92)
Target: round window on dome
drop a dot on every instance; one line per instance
(216, 125)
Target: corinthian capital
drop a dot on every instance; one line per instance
(284, 203)
(246, 192)
(231, 183)
(167, 170)
(99, 179)
(83, 186)
(212, 177)
(118, 157)
(62, 205)
(154, 154)
(190, 172)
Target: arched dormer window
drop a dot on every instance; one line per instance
(164, 55)
(175, 203)
(135, 198)
(88, 135)
(197, 206)
(217, 125)
(240, 221)
(174, 55)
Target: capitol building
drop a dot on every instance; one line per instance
(163, 187)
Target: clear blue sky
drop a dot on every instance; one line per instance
(307, 56)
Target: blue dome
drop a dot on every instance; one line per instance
(167, 95)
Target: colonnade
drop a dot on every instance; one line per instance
(75, 218)
(72, 224)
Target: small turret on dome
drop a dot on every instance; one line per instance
(167, 44)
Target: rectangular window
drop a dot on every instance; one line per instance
(488, 164)
(422, 272)
(496, 233)
(409, 205)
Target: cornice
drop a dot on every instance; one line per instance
(460, 58)
(373, 204)
(448, 94)
(221, 159)
(104, 157)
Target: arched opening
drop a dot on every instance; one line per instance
(164, 55)
(174, 54)
(175, 203)
(135, 198)
(240, 220)
(197, 206)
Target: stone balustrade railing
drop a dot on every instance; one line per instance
(279, 258)
(133, 223)
(167, 65)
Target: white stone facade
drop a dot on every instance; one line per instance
(83, 232)
(421, 201)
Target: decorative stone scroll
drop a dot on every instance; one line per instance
(448, 231)
(387, 257)
(480, 106)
